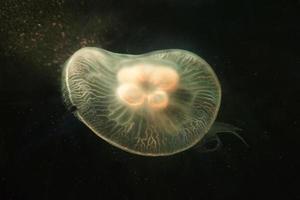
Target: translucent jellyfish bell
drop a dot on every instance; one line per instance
(158, 103)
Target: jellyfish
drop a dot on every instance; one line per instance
(153, 104)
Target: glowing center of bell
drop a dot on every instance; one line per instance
(146, 85)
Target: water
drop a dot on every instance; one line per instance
(48, 154)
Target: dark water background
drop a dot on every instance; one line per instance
(45, 153)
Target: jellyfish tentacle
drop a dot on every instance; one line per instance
(224, 128)
(204, 146)
(213, 136)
